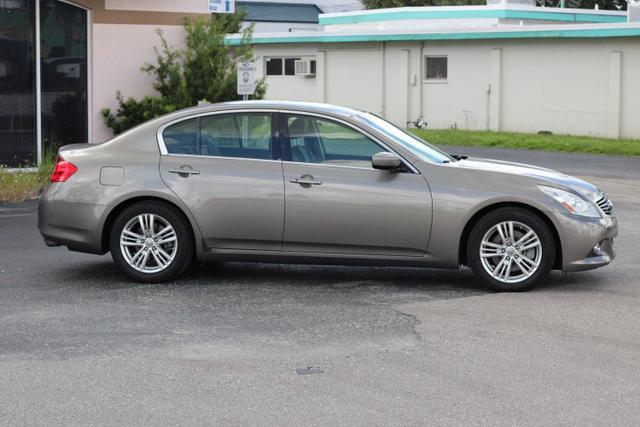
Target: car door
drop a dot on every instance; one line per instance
(226, 168)
(336, 202)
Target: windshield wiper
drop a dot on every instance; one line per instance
(459, 156)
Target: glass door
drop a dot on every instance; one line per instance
(18, 145)
(63, 67)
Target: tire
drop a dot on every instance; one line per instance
(516, 261)
(153, 256)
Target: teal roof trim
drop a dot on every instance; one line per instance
(568, 33)
(470, 14)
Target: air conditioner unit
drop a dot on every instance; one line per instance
(305, 67)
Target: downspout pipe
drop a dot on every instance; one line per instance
(420, 85)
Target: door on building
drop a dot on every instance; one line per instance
(62, 65)
(17, 84)
(336, 202)
(63, 70)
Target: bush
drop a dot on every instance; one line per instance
(204, 70)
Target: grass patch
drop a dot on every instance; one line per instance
(17, 186)
(566, 143)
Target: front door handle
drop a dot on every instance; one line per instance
(306, 180)
(183, 171)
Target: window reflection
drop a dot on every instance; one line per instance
(63, 50)
(17, 83)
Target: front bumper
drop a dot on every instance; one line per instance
(587, 243)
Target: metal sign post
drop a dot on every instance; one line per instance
(246, 76)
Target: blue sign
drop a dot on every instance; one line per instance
(222, 6)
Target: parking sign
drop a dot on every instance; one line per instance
(246, 78)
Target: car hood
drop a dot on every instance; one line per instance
(545, 176)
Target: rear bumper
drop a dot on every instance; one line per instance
(70, 224)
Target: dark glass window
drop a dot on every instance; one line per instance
(436, 67)
(63, 38)
(236, 135)
(17, 84)
(274, 66)
(182, 137)
(290, 66)
(316, 140)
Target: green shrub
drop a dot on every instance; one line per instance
(204, 70)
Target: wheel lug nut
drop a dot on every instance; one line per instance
(507, 258)
(503, 251)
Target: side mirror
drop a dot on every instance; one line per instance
(385, 161)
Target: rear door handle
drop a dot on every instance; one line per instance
(184, 171)
(306, 180)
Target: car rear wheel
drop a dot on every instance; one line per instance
(511, 249)
(151, 242)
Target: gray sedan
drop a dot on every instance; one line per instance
(312, 183)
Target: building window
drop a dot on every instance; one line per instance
(436, 68)
(290, 66)
(18, 145)
(283, 66)
(274, 66)
(62, 88)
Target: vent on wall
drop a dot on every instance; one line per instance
(305, 67)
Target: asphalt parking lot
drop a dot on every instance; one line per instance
(79, 344)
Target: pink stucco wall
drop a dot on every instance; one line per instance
(118, 53)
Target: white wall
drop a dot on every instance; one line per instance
(287, 88)
(554, 85)
(568, 86)
(461, 100)
(354, 77)
(118, 53)
(630, 88)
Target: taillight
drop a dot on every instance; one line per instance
(62, 170)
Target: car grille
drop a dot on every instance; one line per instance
(605, 204)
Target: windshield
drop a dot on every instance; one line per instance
(407, 140)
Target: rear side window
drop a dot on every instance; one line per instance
(182, 137)
(241, 135)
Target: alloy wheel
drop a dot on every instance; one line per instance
(148, 243)
(510, 252)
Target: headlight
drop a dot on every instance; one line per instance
(574, 204)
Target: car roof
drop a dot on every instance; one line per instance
(313, 107)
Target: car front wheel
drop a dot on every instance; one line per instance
(151, 242)
(511, 249)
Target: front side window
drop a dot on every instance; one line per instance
(405, 139)
(436, 68)
(317, 140)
